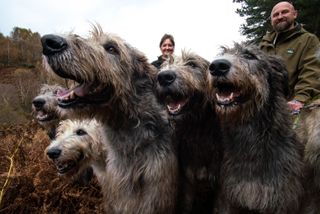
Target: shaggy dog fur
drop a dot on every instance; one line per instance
(262, 166)
(308, 128)
(115, 85)
(78, 145)
(182, 88)
(48, 114)
(45, 108)
(318, 54)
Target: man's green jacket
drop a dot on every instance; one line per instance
(297, 47)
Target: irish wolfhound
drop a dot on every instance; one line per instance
(45, 108)
(182, 88)
(115, 84)
(262, 165)
(78, 145)
(48, 114)
(308, 128)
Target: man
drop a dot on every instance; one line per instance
(297, 48)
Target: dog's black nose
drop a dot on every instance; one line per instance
(52, 44)
(166, 78)
(38, 103)
(53, 153)
(220, 67)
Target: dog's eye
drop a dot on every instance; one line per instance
(248, 55)
(81, 132)
(191, 64)
(111, 49)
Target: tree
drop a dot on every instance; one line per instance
(257, 15)
(22, 48)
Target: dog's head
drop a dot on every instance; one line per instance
(77, 145)
(181, 84)
(104, 66)
(245, 81)
(45, 104)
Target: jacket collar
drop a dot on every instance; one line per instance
(279, 37)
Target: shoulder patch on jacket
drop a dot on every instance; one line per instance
(290, 51)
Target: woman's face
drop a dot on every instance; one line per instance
(167, 48)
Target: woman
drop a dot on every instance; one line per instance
(167, 48)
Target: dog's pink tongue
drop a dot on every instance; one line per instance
(62, 93)
(81, 90)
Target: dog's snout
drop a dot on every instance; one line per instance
(53, 153)
(166, 78)
(220, 67)
(52, 44)
(38, 103)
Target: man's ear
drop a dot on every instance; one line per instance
(295, 14)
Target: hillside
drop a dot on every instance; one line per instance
(28, 182)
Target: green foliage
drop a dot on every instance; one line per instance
(257, 15)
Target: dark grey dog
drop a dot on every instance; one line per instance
(182, 88)
(308, 128)
(262, 166)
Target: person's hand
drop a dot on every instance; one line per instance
(295, 106)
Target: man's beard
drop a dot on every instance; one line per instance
(283, 26)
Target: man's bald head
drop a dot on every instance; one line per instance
(283, 16)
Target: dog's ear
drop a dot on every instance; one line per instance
(280, 72)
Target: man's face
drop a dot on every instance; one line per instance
(283, 16)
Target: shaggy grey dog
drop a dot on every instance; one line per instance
(262, 166)
(45, 108)
(79, 144)
(182, 87)
(48, 114)
(115, 85)
(308, 128)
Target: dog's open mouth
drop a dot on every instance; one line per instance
(69, 97)
(175, 106)
(85, 93)
(69, 166)
(43, 116)
(228, 95)
(65, 167)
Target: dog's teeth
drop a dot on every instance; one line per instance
(174, 109)
(218, 97)
(42, 117)
(72, 95)
(223, 99)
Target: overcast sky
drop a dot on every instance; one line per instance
(201, 26)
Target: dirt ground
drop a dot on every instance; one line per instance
(30, 184)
